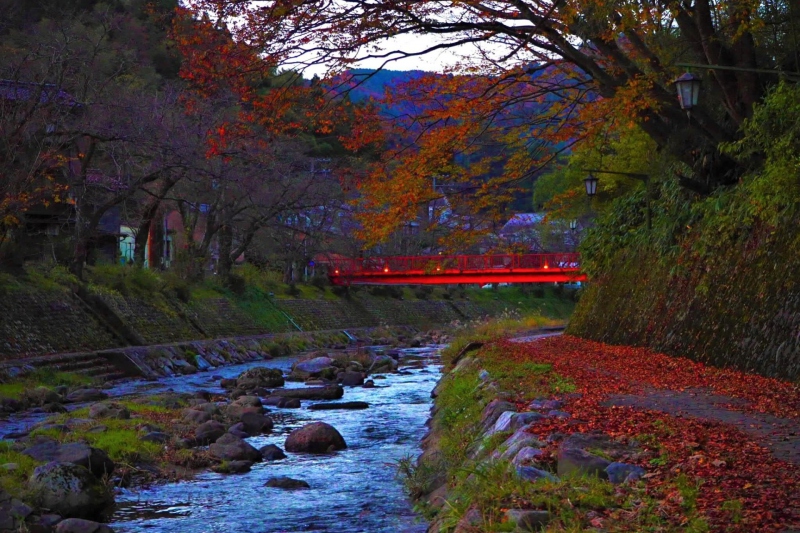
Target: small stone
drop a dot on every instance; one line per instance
(233, 467)
(558, 414)
(10, 467)
(158, 437)
(624, 472)
(527, 519)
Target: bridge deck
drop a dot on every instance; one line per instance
(442, 270)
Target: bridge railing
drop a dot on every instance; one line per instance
(434, 264)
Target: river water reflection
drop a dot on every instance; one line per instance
(354, 490)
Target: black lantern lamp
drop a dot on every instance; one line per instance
(688, 86)
(573, 225)
(591, 185)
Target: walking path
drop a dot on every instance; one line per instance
(734, 436)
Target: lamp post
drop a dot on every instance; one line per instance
(591, 186)
(688, 86)
(590, 182)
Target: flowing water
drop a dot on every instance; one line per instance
(354, 490)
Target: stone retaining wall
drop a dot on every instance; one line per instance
(36, 322)
(40, 322)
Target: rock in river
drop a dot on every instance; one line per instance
(231, 448)
(287, 483)
(271, 452)
(311, 393)
(70, 490)
(78, 525)
(260, 377)
(339, 405)
(317, 437)
(208, 432)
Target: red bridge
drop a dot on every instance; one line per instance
(447, 269)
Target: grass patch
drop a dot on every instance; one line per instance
(13, 481)
(42, 378)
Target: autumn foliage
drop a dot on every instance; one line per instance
(737, 482)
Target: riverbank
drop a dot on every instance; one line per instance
(565, 434)
(45, 311)
(230, 425)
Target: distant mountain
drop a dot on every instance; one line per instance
(366, 83)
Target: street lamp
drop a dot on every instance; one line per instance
(688, 86)
(590, 182)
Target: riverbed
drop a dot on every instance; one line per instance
(354, 490)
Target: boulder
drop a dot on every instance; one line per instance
(70, 490)
(77, 453)
(238, 430)
(624, 472)
(235, 412)
(529, 473)
(575, 461)
(311, 393)
(528, 519)
(493, 410)
(227, 383)
(546, 405)
(286, 483)
(183, 367)
(527, 455)
(289, 403)
(257, 377)
(13, 513)
(352, 379)
(232, 448)
(86, 395)
(271, 452)
(78, 525)
(195, 416)
(256, 424)
(207, 407)
(317, 437)
(272, 400)
(513, 444)
(511, 421)
(208, 432)
(248, 401)
(42, 395)
(382, 363)
(233, 467)
(312, 367)
(339, 405)
(109, 410)
(369, 384)
(598, 441)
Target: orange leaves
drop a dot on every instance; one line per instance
(695, 464)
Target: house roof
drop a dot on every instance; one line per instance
(522, 221)
(20, 90)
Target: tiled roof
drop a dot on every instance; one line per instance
(18, 90)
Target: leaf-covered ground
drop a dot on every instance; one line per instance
(722, 468)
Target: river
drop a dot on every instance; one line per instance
(354, 490)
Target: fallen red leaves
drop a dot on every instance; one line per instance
(737, 483)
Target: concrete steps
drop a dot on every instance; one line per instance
(90, 365)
